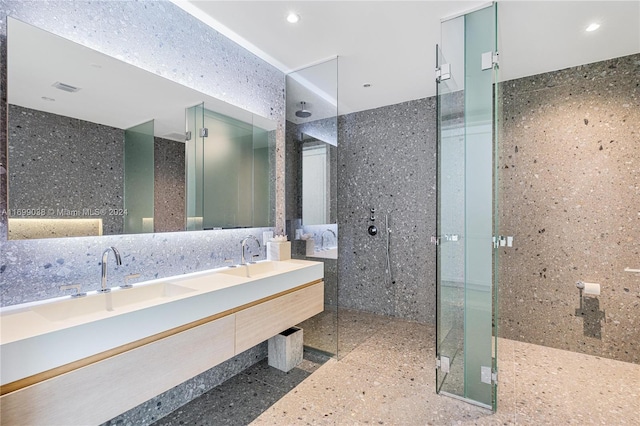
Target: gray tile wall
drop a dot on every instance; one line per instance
(169, 185)
(163, 39)
(386, 160)
(570, 194)
(51, 172)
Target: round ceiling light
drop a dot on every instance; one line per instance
(592, 27)
(293, 17)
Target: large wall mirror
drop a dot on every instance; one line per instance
(100, 147)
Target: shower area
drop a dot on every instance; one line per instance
(491, 200)
(538, 226)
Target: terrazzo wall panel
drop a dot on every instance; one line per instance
(161, 38)
(129, 31)
(63, 167)
(570, 194)
(169, 185)
(386, 160)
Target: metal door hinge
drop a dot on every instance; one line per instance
(488, 376)
(187, 136)
(489, 60)
(502, 241)
(204, 132)
(442, 363)
(436, 240)
(443, 72)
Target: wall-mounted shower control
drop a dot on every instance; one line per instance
(373, 230)
(373, 214)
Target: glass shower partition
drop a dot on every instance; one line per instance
(312, 122)
(466, 254)
(139, 179)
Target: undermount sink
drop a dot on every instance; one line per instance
(100, 302)
(252, 270)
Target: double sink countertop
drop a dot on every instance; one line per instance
(39, 336)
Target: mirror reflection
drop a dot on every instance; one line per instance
(312, 140)
(98, 147)
(319, 181)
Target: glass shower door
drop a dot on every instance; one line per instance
(466, 253)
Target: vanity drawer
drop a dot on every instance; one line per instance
(100, 391)
(258, 323)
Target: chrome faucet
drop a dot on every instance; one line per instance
(105, 256)
(243, 244)
(324, 233)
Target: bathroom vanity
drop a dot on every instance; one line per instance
(86, 360)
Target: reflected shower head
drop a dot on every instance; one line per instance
(303, 113)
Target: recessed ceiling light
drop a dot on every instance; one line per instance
(293, 17)
(592, 27)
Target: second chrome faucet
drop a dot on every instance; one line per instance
(243, 244)
(105, 257)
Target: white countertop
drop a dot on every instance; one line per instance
(39, 336)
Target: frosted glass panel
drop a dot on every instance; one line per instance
(138, 179)
(194, 172)
(229, 170)
(479, 38)
(466, 208)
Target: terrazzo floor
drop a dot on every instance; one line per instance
(388, 378)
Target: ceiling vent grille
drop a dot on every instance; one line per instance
(66, 87)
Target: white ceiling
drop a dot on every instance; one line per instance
(391, 44)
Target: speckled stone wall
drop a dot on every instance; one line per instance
(169, 185)
(386, 160)
(570, 194)
(161, 38)
(64, 167)
(129, 31)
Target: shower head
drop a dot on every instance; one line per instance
(303, 113)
